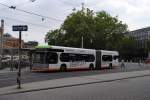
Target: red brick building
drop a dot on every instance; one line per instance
(12, 43)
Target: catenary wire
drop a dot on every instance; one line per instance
(13, 19)
(21, 10)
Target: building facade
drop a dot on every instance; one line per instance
(11, 42)
(30, 44)
(141, 36)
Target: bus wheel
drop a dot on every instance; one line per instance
(63, 67)
(91, 67)
(110, 66)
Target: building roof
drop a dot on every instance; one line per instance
(141, 30)
(7, 35)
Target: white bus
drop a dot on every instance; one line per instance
(50, 58)
(109, 59)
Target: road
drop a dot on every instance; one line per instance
(9, 79)
(127, 89)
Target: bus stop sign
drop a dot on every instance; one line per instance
(20, 28)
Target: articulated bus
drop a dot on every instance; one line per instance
(47, 58)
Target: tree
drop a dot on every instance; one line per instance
(109, 29)
(77, 25)
(54, 37)
(127, 48)
(148, 47)
(99, 30)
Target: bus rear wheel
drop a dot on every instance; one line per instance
(91, 67)
(110, 66)
(63, 68)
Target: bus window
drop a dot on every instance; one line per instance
(91, 58)
(45, 57)
(38, 57)
(64, 57)
(116, 57)
(88, 58)
(107, 58)
(72, 57)
(51, 58)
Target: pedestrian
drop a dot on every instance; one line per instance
(139, 62)
(122, 64)
(143, 62)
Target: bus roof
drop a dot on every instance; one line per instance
(72, 49)
(58, 47)
(66, 49)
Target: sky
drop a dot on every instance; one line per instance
(135, 13)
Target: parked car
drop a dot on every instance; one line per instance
(6, 58)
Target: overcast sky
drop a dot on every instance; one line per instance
(135, 13)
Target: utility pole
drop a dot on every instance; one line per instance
(82, 6)
(1, 35)
(82, 42)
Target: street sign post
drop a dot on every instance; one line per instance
(19, 28)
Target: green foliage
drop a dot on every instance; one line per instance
(78, 24)
(109, 29)
(54, 37)
(128, 47)
(100, 31)
(148, 44)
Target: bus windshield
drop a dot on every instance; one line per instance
(45, 57)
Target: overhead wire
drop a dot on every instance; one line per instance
(42, 17)
(39, 15)
(13, 19)
(28, 12)
(18, 4)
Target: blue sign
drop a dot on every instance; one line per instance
(20, 28)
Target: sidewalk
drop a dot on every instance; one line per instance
(7, 70)
(68, 82)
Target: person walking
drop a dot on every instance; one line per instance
(139, 62)
(122, 64)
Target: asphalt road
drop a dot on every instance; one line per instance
(9, 79)
(128, 89)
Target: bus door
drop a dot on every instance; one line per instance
(52, 60)
(38, 60)
(115, 61)
(106, 60)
